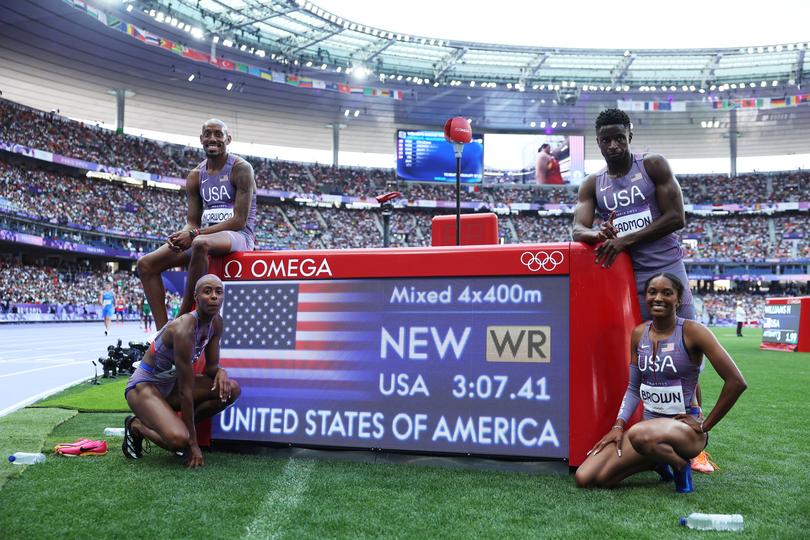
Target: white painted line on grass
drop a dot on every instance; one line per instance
(41, 395)
(283, 497)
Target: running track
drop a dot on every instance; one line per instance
(39, 359)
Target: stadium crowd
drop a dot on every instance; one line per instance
(52, 132)
(62, 203)
(129, 212)
(70, 284)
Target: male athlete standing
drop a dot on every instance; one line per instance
(641, 204)
(221, 194)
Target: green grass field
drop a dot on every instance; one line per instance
(761, 447)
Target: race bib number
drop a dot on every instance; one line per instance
(211, 216)
(635, 221)
(663, 399)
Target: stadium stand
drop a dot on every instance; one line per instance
(62, 203)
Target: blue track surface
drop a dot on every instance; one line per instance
(39, 359)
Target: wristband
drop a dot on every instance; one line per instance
(194, 232)
(617, 426)
(701, 428)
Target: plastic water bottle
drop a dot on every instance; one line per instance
(114, 432)
(713, 522)
(25, 458)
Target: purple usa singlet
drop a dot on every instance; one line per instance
(632, 197)
(218, 194)
(668, 375)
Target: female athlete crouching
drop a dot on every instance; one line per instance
(665, 359)
(165, 381)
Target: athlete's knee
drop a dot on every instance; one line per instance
(201, 244)
(587, 477)
(148, 265)
(583, 478)
(176, 438)
(642, 438)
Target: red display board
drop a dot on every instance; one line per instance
(786, 326)
(476, 229)
(503, 351)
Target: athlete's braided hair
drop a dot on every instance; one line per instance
(613, 117)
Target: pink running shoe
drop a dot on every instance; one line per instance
(83, 447)
(703, 463)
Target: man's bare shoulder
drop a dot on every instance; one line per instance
(241, 163)
(658, 169)
(587, 188)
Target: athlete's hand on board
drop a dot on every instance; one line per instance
(608, 250)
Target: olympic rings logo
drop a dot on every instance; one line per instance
(542, 260)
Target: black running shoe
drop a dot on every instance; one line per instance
(132, 446)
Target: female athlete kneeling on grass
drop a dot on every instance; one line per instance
(665, 358)
(165, 381)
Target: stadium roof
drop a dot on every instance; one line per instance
(301, 34)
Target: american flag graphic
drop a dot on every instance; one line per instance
(668, 347)
(300, 340)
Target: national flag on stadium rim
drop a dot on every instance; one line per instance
(195, 55)
(304, 82)
(222, 63)
(292, 80)
(344, 89)
(116, 24)
(171, 46)
(135, 32)
(243, 68)
(95, 13)
(300, 340)
(266, 75)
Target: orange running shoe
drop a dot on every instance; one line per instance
(703, 463)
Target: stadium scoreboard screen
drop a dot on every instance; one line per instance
(450, 350)
(427, 156)
(786, 325)
(451, 365)
(781, 323)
